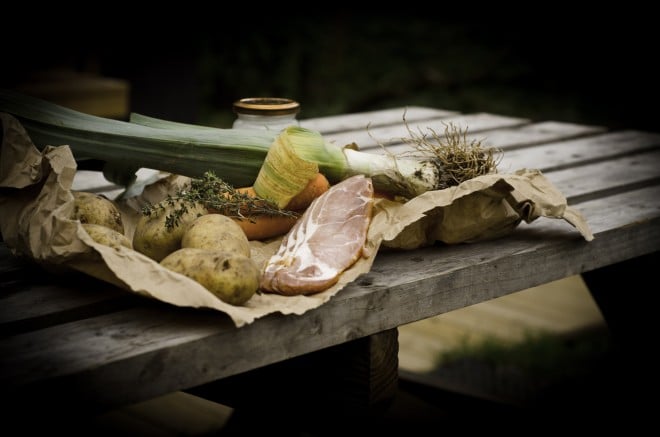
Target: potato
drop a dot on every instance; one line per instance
(154, 238)
(232, 277)
(96, 209)
(217, 232)
(109, 237)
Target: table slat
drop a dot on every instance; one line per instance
(385, 135)
(360, 120)
(573, 153)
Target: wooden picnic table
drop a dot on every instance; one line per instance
(75, 344)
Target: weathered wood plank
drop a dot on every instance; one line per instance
(532, 134)
(360, 120)
(607, 177)
(564, 154)
(516, 137)
(41, 306)
(20, 303)
(160, 349)
(34, 298)
(393, 133)
(621, 210)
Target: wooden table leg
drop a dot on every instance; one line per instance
(350, 383)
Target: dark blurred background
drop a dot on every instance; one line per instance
(597, 67)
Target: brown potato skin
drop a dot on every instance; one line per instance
(154, 239)
(106, 236)
(216, 232)
(97, 209)
(233, 278)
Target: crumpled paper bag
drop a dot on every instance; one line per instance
(481, 208)
(36, 203)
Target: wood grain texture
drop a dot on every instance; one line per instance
(570, 154)
(605, 178)
(144, 353)
(514, 137)
(392, 134)
(360, 121)
(532, 134)
(106, 357)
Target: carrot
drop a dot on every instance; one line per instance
(314, 189)
(267, 226)
(302, 200)
(263, 227)
(247, 190)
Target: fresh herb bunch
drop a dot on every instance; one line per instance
(217, 196)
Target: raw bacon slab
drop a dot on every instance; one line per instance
(327, 239)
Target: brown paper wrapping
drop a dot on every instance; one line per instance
(36, 203)
(481, 208)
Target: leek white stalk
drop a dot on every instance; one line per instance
(390, 174)
(395, 175)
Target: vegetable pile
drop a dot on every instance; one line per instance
(244, 185)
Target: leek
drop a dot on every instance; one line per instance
(237, 155)
(441, 160)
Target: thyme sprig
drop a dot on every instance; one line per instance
(217, 196)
